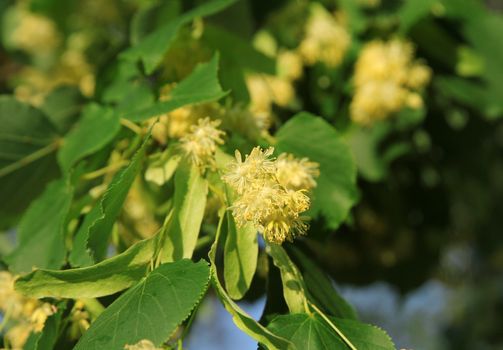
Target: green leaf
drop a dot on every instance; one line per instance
(412, 11)
(239, 50)
(238, 56)
(364, 144)
(189, 203)
(320, 287)
(105, 278)
(241, 319)
(151, 16)
(62, 107)
(41, 231)
(28, 142)
(91, 240)
(136, 96)
(150, 310)
(484, 34)
(200, 86)
(294, 289)
(151, 49)
(308, 136)
(162, 169)
(96, 128)
(465, 91)
(356, 18)
(312, 332)
(240, 257)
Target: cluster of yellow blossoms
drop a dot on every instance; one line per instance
(326, 38)
(271, 193)
(200, 144)
(38, 36)
(35, 33)
(26, 315)
(387, 78)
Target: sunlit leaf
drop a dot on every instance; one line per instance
(150, 310)
(200, 86)
(240, 257)
(189, 203)
(308, 136)
(91, 240)
(105, 278)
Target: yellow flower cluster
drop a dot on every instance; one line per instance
(28, 315)
(326, 39)
(296, 174)
(387, 78)
(177, 123)
(80, 320)
(241, 119)
(35, 33)
(271, 193)
(268, 89)
(143, 344)
(200, 144)
(55, 62)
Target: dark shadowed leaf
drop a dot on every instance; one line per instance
(28, 143)
(41, 232)
(151, 49)
(321, 289)
(96, 128)
(312, 332)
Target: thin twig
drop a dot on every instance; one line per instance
(334, 327)
(105, 170)
(30, 158)
(131, 126)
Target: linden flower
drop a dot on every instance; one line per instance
(289, 65)
(40, 314)
(24, 315)
(79, 320)
(35, 33)
(272, 205)
(283, 227)
(11, 302)
(268, 89)
(387, 79)
(200, 144)
(326, 39)
(245, 122)
(18, 334)
(256, 166)
(144, 344)
(296, 174)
